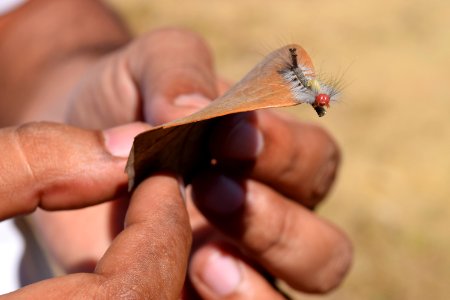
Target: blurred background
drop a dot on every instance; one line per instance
(393, 123)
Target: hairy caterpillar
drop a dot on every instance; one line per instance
(305, 87)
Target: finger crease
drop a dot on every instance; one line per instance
(23, 156)
(26, 162)
(275, 243)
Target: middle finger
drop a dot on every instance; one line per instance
(297, 159)
(288, 240)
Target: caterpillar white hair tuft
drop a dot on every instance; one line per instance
(305, 85)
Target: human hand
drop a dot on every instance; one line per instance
(56, 167)
(115, 90)
(143, 81)
(285, 160)
(258, 200)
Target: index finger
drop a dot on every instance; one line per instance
(297, 159)
(57, 167)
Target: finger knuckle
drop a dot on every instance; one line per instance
(181, 35)
(27, 141)
(325, 142)
(264, 240)
(324, 164)
(121, 289)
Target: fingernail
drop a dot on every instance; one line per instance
(221, 274)
(195, 101)
(244, 141)
(182, 187)
(118, 140)
(219, 194)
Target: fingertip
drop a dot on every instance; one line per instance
(218, 194)
(218, 272)
(214, 272)
(159, 194)
(237, 138)
(119, 140)
(339, 264)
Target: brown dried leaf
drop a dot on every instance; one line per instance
(180, 146)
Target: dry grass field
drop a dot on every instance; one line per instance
(393, 123)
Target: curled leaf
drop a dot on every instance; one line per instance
(180, 146)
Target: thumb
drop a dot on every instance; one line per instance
(147, 260)
(161, 76)
(55, 166)
(176, 74)
(149, 257)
